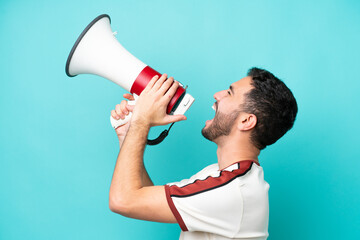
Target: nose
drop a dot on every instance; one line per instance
(219, 95)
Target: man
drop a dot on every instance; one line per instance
(227, 200)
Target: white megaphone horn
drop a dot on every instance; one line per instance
(97, 51)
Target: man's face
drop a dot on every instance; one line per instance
(227, 109)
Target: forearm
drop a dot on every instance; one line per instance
(129, 168)
(146, 180)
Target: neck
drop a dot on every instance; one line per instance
(235, 150)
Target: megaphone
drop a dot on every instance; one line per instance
(97, 51)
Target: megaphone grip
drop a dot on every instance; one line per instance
(117, 123)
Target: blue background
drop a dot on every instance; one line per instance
(58, 151)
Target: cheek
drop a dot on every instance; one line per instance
(227, 107)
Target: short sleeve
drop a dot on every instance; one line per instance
(213, 204)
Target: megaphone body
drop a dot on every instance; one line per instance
(97, 51)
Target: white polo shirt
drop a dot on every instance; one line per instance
(222, 204)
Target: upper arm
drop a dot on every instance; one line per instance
(148, 203)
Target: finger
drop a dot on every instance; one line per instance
(129, 96)
(159, 82)
(114, 115)
(174, 118)
(130, 108)
(123, 107)
(151, 83)
(165, 87)
(171, 92)
(119, 111)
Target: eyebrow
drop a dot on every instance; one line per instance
(232, 90)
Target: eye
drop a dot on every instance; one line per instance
(229, 92)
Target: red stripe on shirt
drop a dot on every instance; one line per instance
(174, 210)
(210, 182)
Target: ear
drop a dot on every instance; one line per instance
(247, 121)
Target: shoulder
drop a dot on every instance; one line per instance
(211, 170)
(209, 179)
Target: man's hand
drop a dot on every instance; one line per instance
(150, 108)
(121, 110)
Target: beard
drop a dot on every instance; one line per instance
(220, 126)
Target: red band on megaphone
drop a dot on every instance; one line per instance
(144, 78)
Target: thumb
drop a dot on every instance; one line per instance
(175, 118)
(128, 96)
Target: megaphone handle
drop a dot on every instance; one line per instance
(117, 123)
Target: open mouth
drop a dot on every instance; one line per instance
(214, 107)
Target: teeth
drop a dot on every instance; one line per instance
(213, 107)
